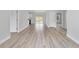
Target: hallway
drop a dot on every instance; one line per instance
(39, 36)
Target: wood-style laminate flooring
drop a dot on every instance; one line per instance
(39, 36)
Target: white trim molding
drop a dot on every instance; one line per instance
(5, 39)
(76, 41)
(23, 28)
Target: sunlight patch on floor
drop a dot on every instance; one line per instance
(39, 26)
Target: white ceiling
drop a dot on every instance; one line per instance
(39, 10)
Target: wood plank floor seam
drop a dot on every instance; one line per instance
(39, 37)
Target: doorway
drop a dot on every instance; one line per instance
(39, 19)
(61, 23)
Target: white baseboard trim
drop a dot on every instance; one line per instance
(51, 26)
(76, 41)
(5, 39)
(22, 28)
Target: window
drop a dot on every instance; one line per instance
(39, 19)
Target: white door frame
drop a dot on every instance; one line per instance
(17, 20)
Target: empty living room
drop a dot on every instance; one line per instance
(39, 29)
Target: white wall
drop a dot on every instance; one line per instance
(4, 25)
(47, 18)
(33, 18)
(23, 19)
(73, 24)
(51, 18)
(13, 21)
(64, 22)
